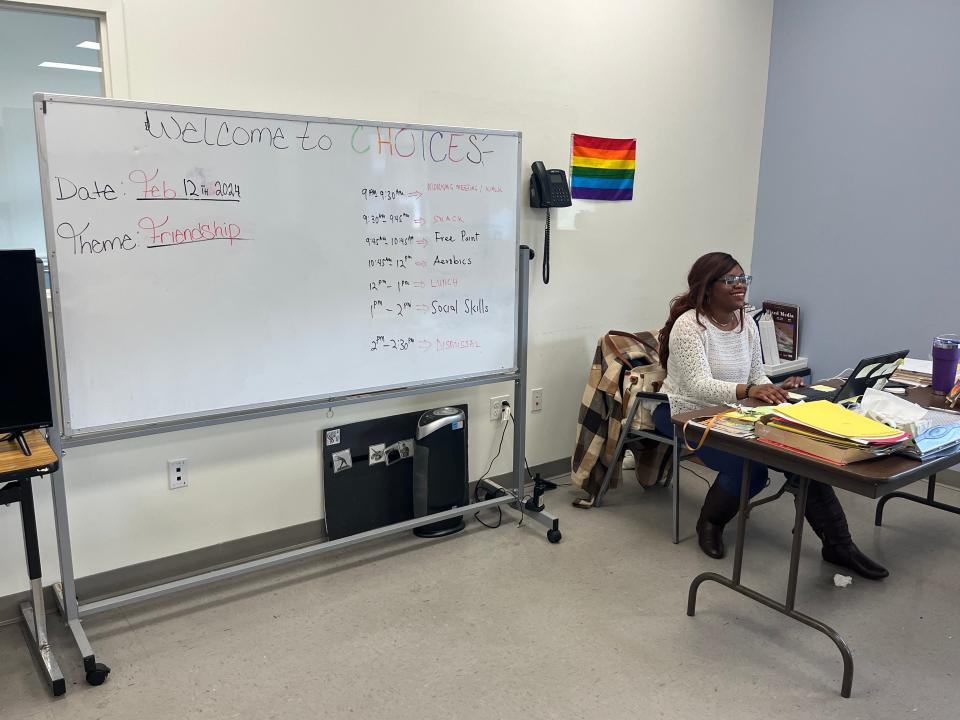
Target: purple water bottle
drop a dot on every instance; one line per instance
(946, 355)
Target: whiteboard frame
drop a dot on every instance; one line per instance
(105, 433)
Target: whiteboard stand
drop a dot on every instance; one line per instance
(73, 610)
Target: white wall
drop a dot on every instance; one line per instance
(686, 78)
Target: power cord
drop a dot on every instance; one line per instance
(513, 420)
(525, 463)
(694, 472)
(508, 419)
(842, 375)
(499, 449)
(476, 488)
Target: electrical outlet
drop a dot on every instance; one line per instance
(496, 405)
(177, 473)
(536, 400)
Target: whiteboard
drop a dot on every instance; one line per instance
(209, 261)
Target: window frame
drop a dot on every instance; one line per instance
(113, 44)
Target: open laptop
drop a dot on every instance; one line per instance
(868, 373)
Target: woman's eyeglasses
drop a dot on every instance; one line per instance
(736, 279)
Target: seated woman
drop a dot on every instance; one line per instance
(713, 357)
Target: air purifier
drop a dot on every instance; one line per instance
(440, 469)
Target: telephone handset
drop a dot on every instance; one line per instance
(548, 188)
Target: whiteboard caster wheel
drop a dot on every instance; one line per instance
(98, 676)
(554, 536)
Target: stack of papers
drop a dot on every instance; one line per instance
(934, 431)
(941, 435)
(917, 373)
(829, 432)
(738, 422)
(913, 372)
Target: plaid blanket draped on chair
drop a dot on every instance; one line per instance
(601, 408)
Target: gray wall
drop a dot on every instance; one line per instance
(858, 208)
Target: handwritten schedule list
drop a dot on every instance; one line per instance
(281, 251)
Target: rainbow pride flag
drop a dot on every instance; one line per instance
(602, 168)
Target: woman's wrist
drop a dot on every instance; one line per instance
(746, 392)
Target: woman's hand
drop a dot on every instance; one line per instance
(768, 393)
(792, 382)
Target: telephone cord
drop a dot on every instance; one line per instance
(546, 251)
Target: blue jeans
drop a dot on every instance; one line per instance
(729, 467)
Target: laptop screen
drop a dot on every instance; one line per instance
(869, 372)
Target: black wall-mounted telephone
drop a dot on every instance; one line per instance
(548, 188)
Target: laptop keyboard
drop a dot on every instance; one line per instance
(811, 394)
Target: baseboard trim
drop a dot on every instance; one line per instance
(153, 572)
(10, 605)
(146, 574)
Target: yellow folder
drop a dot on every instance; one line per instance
(831, 418)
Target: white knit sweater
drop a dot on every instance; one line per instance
(706, 363)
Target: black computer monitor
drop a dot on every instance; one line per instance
(24, 381)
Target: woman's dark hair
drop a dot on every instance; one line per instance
(705, 272)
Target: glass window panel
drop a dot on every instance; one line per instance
(27, 39)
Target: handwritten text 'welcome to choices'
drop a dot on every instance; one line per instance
(427, 145)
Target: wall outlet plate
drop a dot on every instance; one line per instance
(536, 400)
(177, 473)
(496, 405)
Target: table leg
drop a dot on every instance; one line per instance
(34, 614)
(928, 501)
(741, 521)
(786, 608)
(800, 504)
(676, 489)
